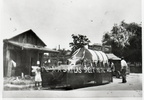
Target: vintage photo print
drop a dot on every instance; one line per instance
(71, 49)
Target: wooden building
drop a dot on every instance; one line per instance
(25, 49)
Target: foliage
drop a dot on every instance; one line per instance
(125, 40)
(79, 41)
(63, 55)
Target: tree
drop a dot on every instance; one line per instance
(117, 38)
(135, 48)
(63, 55)
(79, 41)
(125, 40)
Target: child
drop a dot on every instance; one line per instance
(38, 79)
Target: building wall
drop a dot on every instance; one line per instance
(22, 58)
(28, 37)
(9, 53)
(29, 58)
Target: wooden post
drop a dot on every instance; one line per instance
(7, 62)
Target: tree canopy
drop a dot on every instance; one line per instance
(79, 41)
(125, 40)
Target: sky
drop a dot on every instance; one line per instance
(54, 21)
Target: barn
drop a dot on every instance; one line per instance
(24, 51)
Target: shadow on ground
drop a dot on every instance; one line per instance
(72, 88)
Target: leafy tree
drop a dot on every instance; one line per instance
(134, 51)
(117, 38)
(63, 56)
(125, 40)
(79, 41)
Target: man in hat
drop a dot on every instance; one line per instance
(123, 70)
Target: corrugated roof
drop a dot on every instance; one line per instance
(30, 46)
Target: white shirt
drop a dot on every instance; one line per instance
(123, 64)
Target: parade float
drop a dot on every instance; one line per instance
(85, 66)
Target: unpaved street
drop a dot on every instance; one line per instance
(133, 88)
(134, 83)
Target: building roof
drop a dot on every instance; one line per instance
(30, 31)
(28, 36)
(31, 46)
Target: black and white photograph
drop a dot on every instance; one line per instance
(71, 49)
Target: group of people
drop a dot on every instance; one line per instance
(38, 78)
(123, 69)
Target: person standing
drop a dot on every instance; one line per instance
(38, 78)
(11, 68)
(123, 70)
(112, 68)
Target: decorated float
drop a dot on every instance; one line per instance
(85, 66)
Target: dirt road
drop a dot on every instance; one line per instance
(133, 88)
